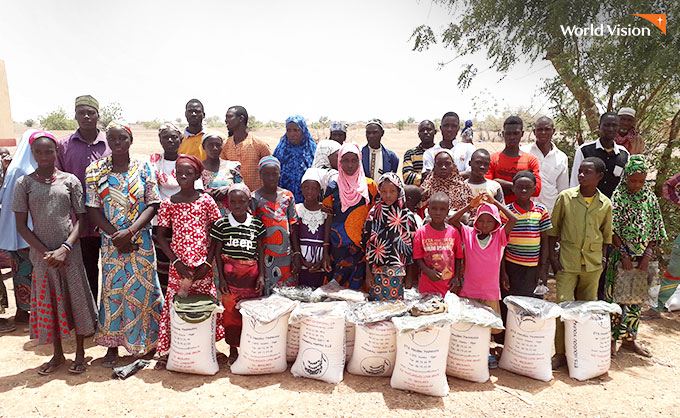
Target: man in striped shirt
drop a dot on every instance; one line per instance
(412, 169)
(526, 256)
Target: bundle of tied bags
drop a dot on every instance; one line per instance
(417, 341)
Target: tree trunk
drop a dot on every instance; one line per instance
(665, 160)
(576, 86)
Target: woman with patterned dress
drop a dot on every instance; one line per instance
(61, 300)
(638, 226)
(163, 166)
(388, 238)
(218, 174)
(347, 202)
(275, 208)
(445, 178)
(190, 214)
(122, 198)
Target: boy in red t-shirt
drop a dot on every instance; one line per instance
(510, 161)
(437, 250)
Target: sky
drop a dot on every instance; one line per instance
(348, 60)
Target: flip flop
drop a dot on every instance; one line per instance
(51, 369)
(77, 368)
(8, 327)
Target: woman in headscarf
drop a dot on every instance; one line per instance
(163, 166)
(275, 208)
(388, 238)
(218, 174)
(296, 153)
(22, 164)
(121, 198)
(466, 134)
(326, 158)
(638, 226)
(445, 178)
(347, 202)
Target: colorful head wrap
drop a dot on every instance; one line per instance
(376, 121)
(41, 134)
(390, 229)
(118, 124)
(352, 188)
(338, 127)
(239, 187)
(212, 134)
(190, 159)
(454, 185)
(295, 159)
(636, 217)
(169, 126)
(269, 160)
(87, 100)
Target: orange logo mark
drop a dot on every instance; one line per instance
(659, 20)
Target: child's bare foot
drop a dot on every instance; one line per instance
(635, 348)
(651, 314)
(614, 349)
(558, 361)
(52, 365)
(233, 355)
(21, 317)
(6, 326)
(161, 362)
(111, 357)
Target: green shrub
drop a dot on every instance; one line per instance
(254, 123)
(400, 125)
(58, 121)
(29, 122)
(152, 124)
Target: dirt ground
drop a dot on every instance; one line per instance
(633, 386)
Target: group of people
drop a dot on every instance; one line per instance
(224, 216)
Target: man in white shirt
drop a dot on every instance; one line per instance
(462, 151)
(554, 164)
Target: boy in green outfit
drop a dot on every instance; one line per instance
(582, 223)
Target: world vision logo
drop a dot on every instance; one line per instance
(658, 20)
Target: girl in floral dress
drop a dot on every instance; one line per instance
(190, 214)
(388, 238)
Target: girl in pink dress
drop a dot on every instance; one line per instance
(190, 214)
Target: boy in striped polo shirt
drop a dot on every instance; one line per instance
(526, 256)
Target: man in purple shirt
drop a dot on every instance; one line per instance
(74, 154)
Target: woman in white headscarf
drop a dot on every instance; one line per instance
(326, 158)
(22, 164)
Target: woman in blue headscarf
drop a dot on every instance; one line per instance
(22, 164)
(296, 153)
(466, 134)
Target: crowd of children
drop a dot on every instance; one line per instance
(214, 236)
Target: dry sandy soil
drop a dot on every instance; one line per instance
(634, 386)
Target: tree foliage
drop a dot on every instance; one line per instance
(110, 112)
(58, 121)
(594, 73)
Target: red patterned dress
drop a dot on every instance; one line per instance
(190, 223)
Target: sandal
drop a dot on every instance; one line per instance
(77, 368)
(48, 368)
(7, 327)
